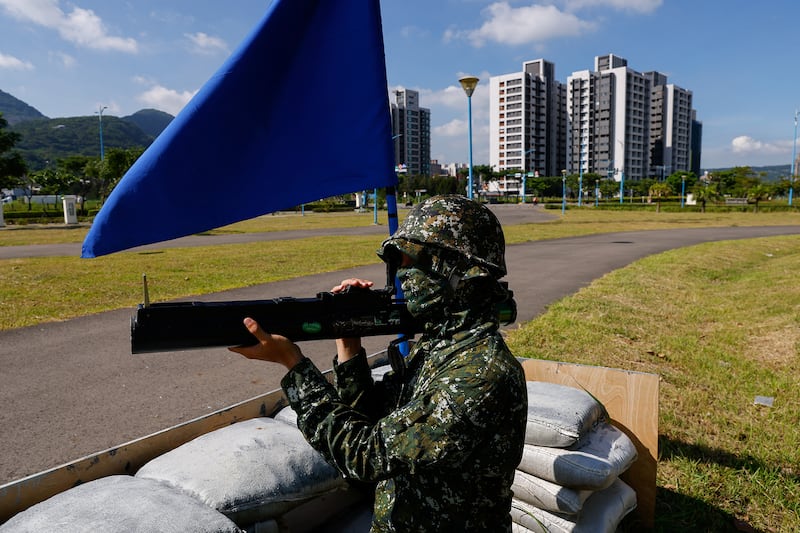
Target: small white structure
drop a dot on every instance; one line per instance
(507, 186)
(70, 213)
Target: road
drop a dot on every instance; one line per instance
(72, 388)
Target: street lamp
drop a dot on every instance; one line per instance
(580, 177)
(794, 156)
(563, 191)
(100, 114)
(596, 191)
(468, 83)
(622, 175)
(524, 174)
(683, 189)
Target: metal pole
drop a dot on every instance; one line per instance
(683, 190)
(596, 191)
(580, 177)
(525, 174)
(375, 207)
(622, 174)
(794, 156)
(100, 113)
(563, 191)
(469, 113)
(468, 83)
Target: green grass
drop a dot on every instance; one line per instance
(35, 290)
(719, 323)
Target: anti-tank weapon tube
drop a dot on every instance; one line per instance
(354, 312)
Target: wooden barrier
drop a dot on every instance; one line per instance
(631, 399)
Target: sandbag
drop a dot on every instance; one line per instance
(605, 453)
(547, 495)
(120, 503)
(559, 416)
(601, 513)
(250, 471)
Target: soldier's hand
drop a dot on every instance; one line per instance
(272, 348)
(348, 348)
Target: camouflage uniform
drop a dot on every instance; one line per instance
(442, 434)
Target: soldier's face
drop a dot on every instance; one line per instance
(426, 293)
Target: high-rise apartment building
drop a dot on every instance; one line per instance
(613, 121)
(411, 129)
(527, 125)
(609, 120)
(670, 127)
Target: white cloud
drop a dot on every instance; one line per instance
(522, 25)
(66, 60)
(13, 63)
(454, 128)
(413, 32)
(169, 100)
(640, 6)
(80, 26)
(205, 44)
(748, 145)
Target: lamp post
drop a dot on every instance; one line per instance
(100, 115)
(563, 191)
(596, 191)
(683, 189)
(622, 175)
(580, 177)
(794, 156)
(525, 175)
(468, 83)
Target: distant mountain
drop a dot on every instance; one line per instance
(48, 140)
(770, 172)
(150, 121)
(53, 139)
(15, 110)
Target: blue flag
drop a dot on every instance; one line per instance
(299, 112)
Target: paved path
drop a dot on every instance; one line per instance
(72, 388)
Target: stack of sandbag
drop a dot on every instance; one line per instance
(256, 476)
(568, 478)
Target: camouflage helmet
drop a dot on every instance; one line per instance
(453, 223)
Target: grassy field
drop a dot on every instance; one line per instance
(718, 322)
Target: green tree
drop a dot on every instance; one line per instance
(682, 180)
(52, 181)
(706, 193)
(757, 193)
(12, 165)
(111, 169)
(608, 188)
(659, 190)
(78, 166)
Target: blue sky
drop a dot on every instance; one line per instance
(738, 57)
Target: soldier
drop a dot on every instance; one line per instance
(441, 434)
